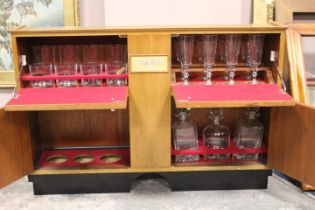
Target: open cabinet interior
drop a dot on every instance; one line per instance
(80, 139)
(74, 90)
(235, 101)
(266, 73)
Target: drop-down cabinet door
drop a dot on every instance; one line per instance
(15, 147)
(292, 142)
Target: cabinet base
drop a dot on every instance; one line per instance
(122, 182)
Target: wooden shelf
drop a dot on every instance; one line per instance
(196, 95)
(78, 98)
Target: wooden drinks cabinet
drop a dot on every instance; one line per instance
(101, 139)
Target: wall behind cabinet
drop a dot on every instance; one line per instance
(164, 12)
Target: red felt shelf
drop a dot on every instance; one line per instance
(72, 154)
(32, 99)
(28, 77)
(196, 95)
(232, 149)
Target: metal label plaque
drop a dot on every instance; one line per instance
(157, 63)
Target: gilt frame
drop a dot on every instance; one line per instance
(71, 18)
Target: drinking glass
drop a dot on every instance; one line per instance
(91, 63)
(116, 68)
(186, 50)
(232, 49)
(66, 64)
(91, 68)
(209, 46)
(41, 69)
(256, 42)
(43, 58)
(176, 49)
(117, 64)
(118, 53)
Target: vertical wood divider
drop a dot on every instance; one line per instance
(150, 104)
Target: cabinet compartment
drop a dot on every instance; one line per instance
(80, 139)
(267, 72)
(231, 117)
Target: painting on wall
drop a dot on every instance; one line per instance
(30, 13)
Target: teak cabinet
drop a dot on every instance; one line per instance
(135, 121)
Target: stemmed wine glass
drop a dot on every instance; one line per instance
(232, 49)
(186, 50)
(209, 46)
(255, 44)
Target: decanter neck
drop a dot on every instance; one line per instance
(216, 120)
(252, 113)
(216, 115)
(182, 116)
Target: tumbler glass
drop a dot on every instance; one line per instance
(66, 64)
(91, 63)
(116, 68)
(43, 58)
(91, 68)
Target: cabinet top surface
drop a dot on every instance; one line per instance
(267, 28)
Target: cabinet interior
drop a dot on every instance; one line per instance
(25, 45)
(266, 73)
(200, 116)
(76, 130)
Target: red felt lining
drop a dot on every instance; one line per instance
(96, 153)
(29, 77)
(225, 92)
(82, 95)
(232, 149)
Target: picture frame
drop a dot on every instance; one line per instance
(287, 9)
(70, 18)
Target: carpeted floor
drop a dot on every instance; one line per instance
(154, 194)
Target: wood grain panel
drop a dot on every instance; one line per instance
(15, 147)
(292, 143)
(150, 105)
(81, 128)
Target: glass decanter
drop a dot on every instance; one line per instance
(249, 134)
(216, 136)
(185, 136)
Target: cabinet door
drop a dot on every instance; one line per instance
(292, 142)
(15, 146)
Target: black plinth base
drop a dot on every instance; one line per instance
(122, 182)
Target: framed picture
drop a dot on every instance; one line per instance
(32, 13)
(289, 11)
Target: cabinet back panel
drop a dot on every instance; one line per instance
(81, 128)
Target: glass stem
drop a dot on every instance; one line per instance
(185, 75)
(254, 75)
(232, 75)
(208, 75)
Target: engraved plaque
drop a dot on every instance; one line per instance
(157, 63)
